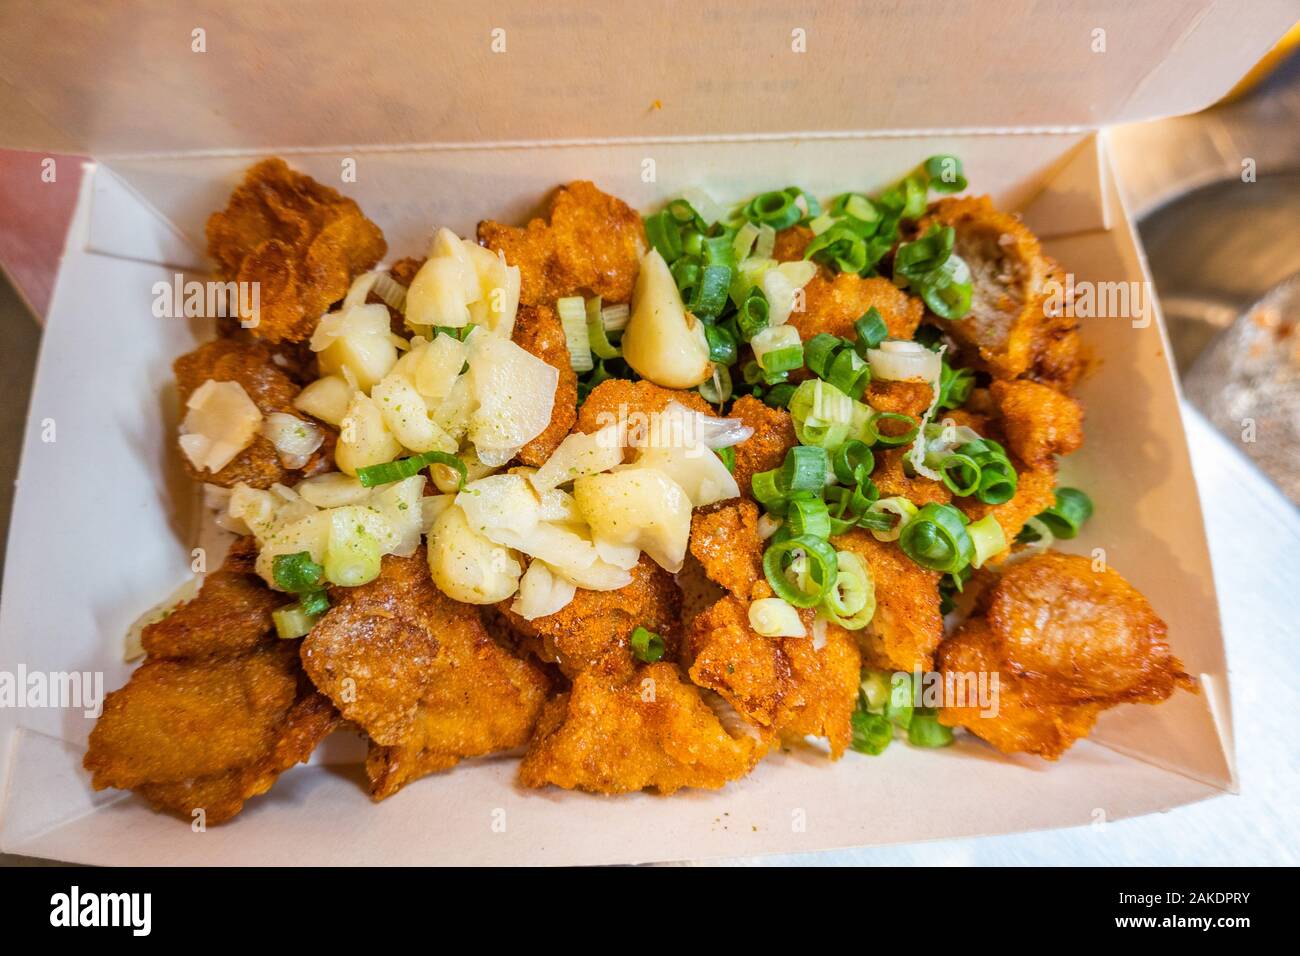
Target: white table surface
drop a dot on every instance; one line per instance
(1254, 535)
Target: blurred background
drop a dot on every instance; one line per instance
(1217, 199)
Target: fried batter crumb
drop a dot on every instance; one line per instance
(1038, 420)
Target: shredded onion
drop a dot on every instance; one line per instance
(704, 204)
(902, 361)
(133, 645)
(950, 438)
(391, 291)
(614, 317)
(359, 289)
(718, 433)
(679, 427)
(916, 455)
(818, 633)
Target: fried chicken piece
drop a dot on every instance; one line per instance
(791, 243)
(891, 479)
(302, 242)
(270, 389)
(217, 711)
(1061, 358)
(725, 540)
(901, 398)
(420, 675)
(591, 245)
(649, 730)
(231, 613)
(179, 719)
(1008, 325)
(1023, 723)
(538, 330)
(1038, 420)
(833, 305)
(1068, 642)
(1034, 495)
(908, 624)
(309, 721)
(593, 629)
(766, 448)
(1088, 631)
(785, 685)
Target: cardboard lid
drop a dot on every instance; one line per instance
(143, 77)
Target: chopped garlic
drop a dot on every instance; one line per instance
(295, 440)
(357, 340)
(772, 617)
(467, 566)
(579, 455)
(407, 417)
(221, 422)
(326, 398)
(364, 438)
(515, 392)
(638, 506)
(541, 592)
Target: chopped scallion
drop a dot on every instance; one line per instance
(647, 646)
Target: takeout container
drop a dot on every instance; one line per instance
(644, 99)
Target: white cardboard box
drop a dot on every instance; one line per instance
(447, 132)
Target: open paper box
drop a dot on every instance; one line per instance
(104, 521)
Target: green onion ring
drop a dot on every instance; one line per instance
(822, 569)
(1071, 510)
(891, 441)
(961, 475)
(851, 603)
(804, 469)
(937, 539)
(853, 461)
(809, 516)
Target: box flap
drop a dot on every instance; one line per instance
(149, 77)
